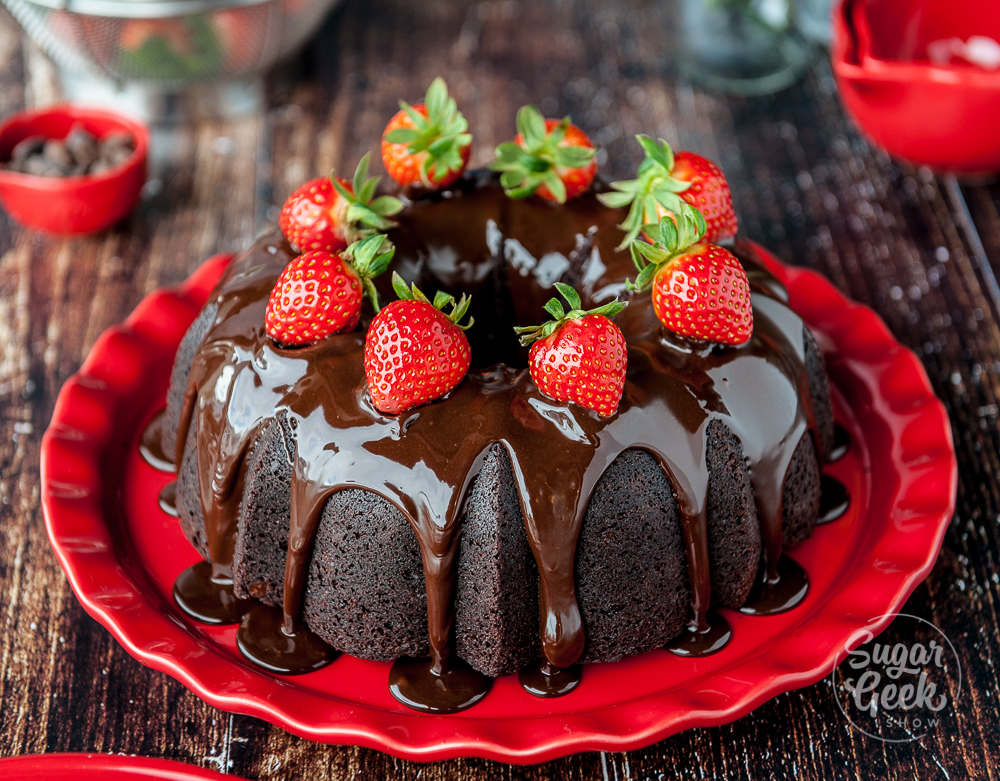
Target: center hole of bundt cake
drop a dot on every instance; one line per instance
(503, 300)
(492, 337)
(508, 278)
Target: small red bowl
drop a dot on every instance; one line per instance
(943, 116)
(857, 19)
(71, 205)
(905, 30)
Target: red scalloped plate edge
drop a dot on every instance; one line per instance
(71, 504)
(52, 767)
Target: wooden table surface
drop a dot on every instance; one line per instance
(921, 249)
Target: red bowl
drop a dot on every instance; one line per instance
(857, 19)
(846, 32)
(943, 116)
(76, 204)
(903, 30)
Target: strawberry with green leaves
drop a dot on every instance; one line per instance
(551, 158)
(319, 293)
(416, 352)
(699, 290)
(666, 180)
(328, 214)
(578, 356)
(427, 144)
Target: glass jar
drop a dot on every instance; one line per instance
(745, 47)
(814, 19)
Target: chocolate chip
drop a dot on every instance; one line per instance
(41, 166)
(82, 145)
(81, 154)
(117, 155)
(31, 145)
(57, 154)
(119, 139)
(98, 167)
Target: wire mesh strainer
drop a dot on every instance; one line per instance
(168, 44)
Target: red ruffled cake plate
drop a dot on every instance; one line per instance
(122, 554)
(102, 767)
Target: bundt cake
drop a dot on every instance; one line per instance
(497, 529)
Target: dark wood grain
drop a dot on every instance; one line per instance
(924, 251)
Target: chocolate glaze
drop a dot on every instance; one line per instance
(424, 685)
(265, 640)
(205, 594)
(834, 500)
(779, 592)
(151, 445)
(168, 498)
(841, 443)
(506, 254)
(713, 635)
(544, 680)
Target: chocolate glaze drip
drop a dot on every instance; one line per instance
(841, 443)
(544, 680)
(206, 595)
(424, 685)
(834, 500)
(221, 445)
(151, 445)
(711, 636)
(263, 637)
(168, 498)
(506, 254)
(786, 589)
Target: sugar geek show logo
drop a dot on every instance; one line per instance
(900, 686)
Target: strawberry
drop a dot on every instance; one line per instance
(700, 290)
(579, 356)
(319, 294)
(550, 157)
(242, 34)
(414, 352)
(665, 180)
(708, 192)
(329, 214)
(136, 33)
(427, 143)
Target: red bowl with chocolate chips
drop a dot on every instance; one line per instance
(63, 193)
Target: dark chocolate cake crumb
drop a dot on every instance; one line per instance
(496, 605)
(800, 498)
(631, 567)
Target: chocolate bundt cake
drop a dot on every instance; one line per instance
(496, 526)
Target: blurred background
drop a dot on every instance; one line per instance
(916, 75)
